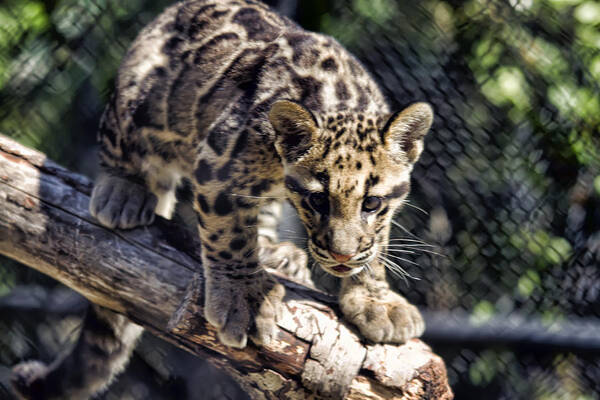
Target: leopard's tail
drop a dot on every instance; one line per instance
(102, 351)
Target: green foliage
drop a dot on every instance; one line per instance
(57, 67)
(20, 22)
(375, 11)
(548, 250)
(7, 278)
(482, 312)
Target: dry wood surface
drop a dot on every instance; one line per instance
(152, 275)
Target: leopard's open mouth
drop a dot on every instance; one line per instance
(342, 269)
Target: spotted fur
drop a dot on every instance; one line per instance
(250, 107)
(253, 110)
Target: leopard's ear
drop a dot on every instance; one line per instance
(404, 132)
(294, 127)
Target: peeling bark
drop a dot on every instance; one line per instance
(146, 273)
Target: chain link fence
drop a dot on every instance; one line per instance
(503, 223)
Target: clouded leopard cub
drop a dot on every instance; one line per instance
(252, 110)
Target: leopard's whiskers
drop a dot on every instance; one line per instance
(369, 269)
(409, 233)
(401, 249)
(258, 197)
(410, 241)
(396, 269)
(401, 259)
(408, 203)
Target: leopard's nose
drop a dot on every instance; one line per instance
(341, 257)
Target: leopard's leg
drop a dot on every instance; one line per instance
(134, 184)
(284, 257)
(120, 197)
(241, 298)
(268, 220)
(125, 195)
(120, 201)
(381, 315)
(101, 352)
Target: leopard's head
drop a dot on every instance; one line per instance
(346, 174)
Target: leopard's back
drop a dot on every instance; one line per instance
(205, 70)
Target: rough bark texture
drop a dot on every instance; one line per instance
(153, 275)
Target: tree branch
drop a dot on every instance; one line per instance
(146, 273)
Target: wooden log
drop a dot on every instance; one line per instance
(146, 273)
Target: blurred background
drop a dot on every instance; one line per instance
(505, 207)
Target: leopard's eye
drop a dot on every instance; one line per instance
(319, 202)
(371, 203)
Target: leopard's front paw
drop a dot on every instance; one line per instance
(28, 379)
(383, 319)
(119, 202)
(242, 307)
(285, 257)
